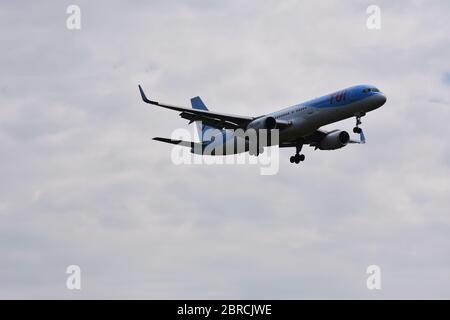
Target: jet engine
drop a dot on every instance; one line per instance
(267, 123)
(334, 140)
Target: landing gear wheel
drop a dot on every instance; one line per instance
(297, 158)
(357, 130)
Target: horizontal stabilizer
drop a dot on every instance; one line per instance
(182, 143)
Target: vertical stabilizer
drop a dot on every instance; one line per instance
(197, 103)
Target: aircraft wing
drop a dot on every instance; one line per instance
(314, 139)
(210, 118)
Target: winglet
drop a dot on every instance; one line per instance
(144, 97)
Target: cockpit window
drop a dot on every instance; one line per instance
(370, 89)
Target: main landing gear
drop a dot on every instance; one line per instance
(297, 157)
(357, 129)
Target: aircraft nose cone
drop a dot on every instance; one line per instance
(382, 99)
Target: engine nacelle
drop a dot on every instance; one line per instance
(334, 140)
(267, 123)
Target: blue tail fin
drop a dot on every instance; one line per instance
(197, 103)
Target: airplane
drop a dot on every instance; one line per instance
(298, 125)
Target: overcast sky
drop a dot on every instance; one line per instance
(83, 183)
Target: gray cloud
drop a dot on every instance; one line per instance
(84, 184)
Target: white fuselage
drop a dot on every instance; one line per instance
(306, 118)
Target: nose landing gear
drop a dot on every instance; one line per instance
(297, 157)
(357, 129)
